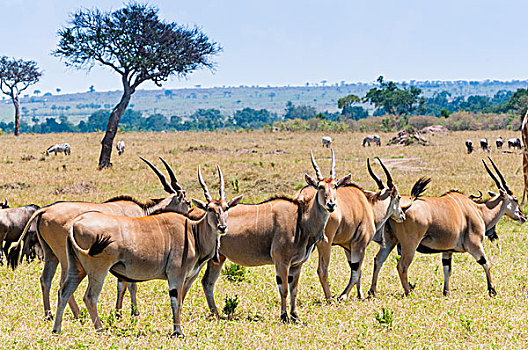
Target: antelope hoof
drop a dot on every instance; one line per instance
(294, 317)
(342, 298)
(492, 292)
(446, 293)
(134, 312)
(284, 317)
(177, 334)
(118, 314)
(48, 316)
(371, 294)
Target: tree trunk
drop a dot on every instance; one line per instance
(524, 135)
(111, 129)
(16, 103)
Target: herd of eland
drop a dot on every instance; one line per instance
(173, 238)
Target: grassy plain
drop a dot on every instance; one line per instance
(265, 164)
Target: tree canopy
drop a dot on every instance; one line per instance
(15, 77)
(134, 42)
(391, 99)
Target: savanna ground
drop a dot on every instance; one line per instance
(264, 164)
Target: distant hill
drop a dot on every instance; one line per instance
(183, 102)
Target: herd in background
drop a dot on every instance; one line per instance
(65, 148)
(514, 143)
(124, 236)
(375, 139)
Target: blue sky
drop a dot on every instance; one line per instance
(293, 42)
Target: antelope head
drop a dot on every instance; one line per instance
(389, 192)
(326, 188)
(512, 208)
(176, 201)
(4, 205)
(216, 210)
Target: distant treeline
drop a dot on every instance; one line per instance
(503, 110)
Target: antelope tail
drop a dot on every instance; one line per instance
(101, 242)
(14, 252)
(417, 190)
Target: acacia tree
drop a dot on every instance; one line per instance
(392, 99)
(15, 77)
(134, 42)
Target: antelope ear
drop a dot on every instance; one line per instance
(344, 180)
(199, 204)
(492, 194)
(310, 180)
(234, 201)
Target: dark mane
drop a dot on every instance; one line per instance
(286, 198)
(452, 191)
(130, 199)
(350, 184)
(371, 195)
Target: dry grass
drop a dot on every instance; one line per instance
(265, 164)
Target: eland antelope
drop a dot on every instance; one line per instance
(54, 222)
(447, 224)
(58, 148)
(360, 215)
(12, 223)
(280, 232)
(166, 246)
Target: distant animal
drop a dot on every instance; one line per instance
(59, 147)
(484, 145)
(469, 146)
(327, 141)
(12, 223)
(371, 138)
(120, 146)
(499, 142)
(514, 143)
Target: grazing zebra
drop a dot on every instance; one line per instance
(371, 138)
(484, 145)
(60, 147)
(120, 146)
(514, 143)
(499, 142)
(469, 146)
(327, 141)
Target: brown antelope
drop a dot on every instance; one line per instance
(447, 224)
(166, 246)
(353, 225)
(54, 222)
(279, 231)
(12, 223)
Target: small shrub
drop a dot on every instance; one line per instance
(465, 322)
(235, 185)
(385, 318)
(231, 303)
(234, 272)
